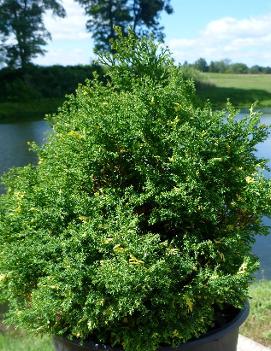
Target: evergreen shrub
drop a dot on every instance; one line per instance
(135, 227)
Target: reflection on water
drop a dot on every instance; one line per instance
(14, 152)
(264, 149)
(262, 247)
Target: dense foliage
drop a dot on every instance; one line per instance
(136, 225)
(36, 82)
(142, 15)
(225, 66)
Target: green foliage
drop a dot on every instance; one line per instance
(43, 82)
(238, 68)
(225, 66)
(28, 111)
(136, 225)
(201, 65)
(23, 30)
(141, 15)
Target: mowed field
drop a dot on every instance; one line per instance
(242, 81)
(242, 89)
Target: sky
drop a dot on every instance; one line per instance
(237, 30)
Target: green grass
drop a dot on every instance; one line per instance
(241, 89)
(242, 81)
(36, 109)
(258, 324)
(15, 342)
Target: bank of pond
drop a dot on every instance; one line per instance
(35, 91)
(40, 90)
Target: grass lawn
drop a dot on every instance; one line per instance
(14, 342)
(242, 89)
(242, 81)
(258, 324)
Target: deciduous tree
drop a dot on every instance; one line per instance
(201, 65)
(23, 30)
(141, 15)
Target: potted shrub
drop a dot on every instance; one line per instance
(134, 230)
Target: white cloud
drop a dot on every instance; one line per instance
(247, 40)
(71, 44)
(185, 43)
(61, 56)
(73, 26)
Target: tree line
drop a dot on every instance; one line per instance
(38, 82)
(225, 66)
(23, 35)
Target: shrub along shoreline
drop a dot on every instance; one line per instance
(30, 110)
(40, 90)
(30, 94)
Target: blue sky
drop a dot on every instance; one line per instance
(191, 16)
(238, 30)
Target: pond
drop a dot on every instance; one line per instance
(14, 152)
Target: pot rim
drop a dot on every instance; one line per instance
(216, 333)
(206, 338)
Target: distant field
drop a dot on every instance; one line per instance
(241, 89)
(242, 81)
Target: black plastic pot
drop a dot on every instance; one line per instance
(222, 339)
